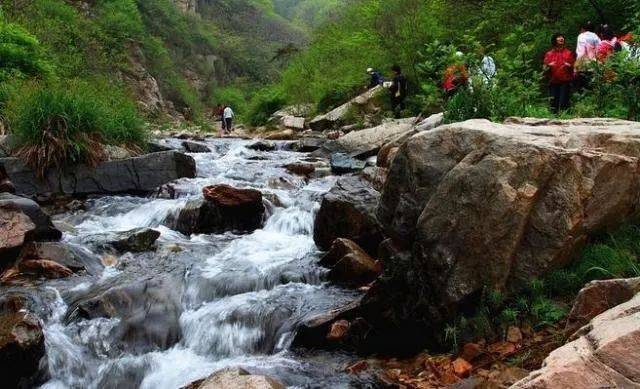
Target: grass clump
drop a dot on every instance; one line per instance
(60, 123)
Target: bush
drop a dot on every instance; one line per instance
(264, 104)
(231, 96)
(21, 54)
(60, 123)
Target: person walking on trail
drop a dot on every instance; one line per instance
(219, 116)
(398, 90)
(228, 116)
(376, 78)
(586, 54)
(558, 64)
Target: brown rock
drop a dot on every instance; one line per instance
(301, 169)
(44, 268)
(471, 351)
(605, 354)
(598, 296)
(235, 378)
(339, 249)
(358, 367)
(224, 208)
(5, 183)
(355, 269)
(462, 368)
(21, 347)
(502, 348)
(514, 335)
(338, 331)
(15, 228)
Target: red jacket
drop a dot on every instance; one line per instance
(560, 63)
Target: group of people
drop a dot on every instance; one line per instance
(397, 87)
(565, 69)
(568, 70)
(225, 115)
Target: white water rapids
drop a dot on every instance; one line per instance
(196, 304)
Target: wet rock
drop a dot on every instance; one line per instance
(235, 378)
(148, 309)
(513, 200)
(43, 268)
(21, 347)
(337, 117)
(308, 144)
(15, 230)
(366, 143)
(344, 164)
(287, 134)
(45, 230)
(140, 175)
(136, 240)
(599, 296)
(262, 145)
(301, 169)
(155, 147)
(350, 264)
(195, 147)
(348, 211)
(223, 208)
(6, 186)
(64, 254)
(604, 355)
(328, 330)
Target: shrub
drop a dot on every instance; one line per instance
(21, 54)
(231, 96)
(60, 123)
(263, 104)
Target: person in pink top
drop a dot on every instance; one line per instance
(609, 44)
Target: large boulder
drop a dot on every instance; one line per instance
(223, 208)
(348, 211)
(235, 378)
(599, 296)
(294, 122)
(388, 152)
(366, 143)
(140, 175)
(21, 347)
(338, 116)
(342, 164)
(136, 240)
(604, 354)
(485, 205)
(195, 147)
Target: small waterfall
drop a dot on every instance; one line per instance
(236, 299)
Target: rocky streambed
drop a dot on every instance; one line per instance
(152, 307)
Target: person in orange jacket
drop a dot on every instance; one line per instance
(558, 64)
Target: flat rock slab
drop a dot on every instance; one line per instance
(140, 175)
(604, 355)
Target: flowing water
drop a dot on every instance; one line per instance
(196, 304)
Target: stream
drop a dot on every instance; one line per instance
(165, 318)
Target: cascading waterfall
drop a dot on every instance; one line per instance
(198, 303)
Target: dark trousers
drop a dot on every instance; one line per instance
(397, 105)
(560, 95)
(228, 124)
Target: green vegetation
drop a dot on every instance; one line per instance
(423, 36)
(57, 123)
(546, 301)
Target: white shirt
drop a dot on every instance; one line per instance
(488, 68)
(228, 113)
(588, 43)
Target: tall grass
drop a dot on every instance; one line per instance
(60, 123)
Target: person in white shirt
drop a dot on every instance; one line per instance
(586, 54)
(228, 116)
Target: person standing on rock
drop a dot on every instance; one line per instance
(228, 116)
(398, 90)
(376, 78)
(558, 65)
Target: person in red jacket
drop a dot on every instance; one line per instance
(558, 64)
